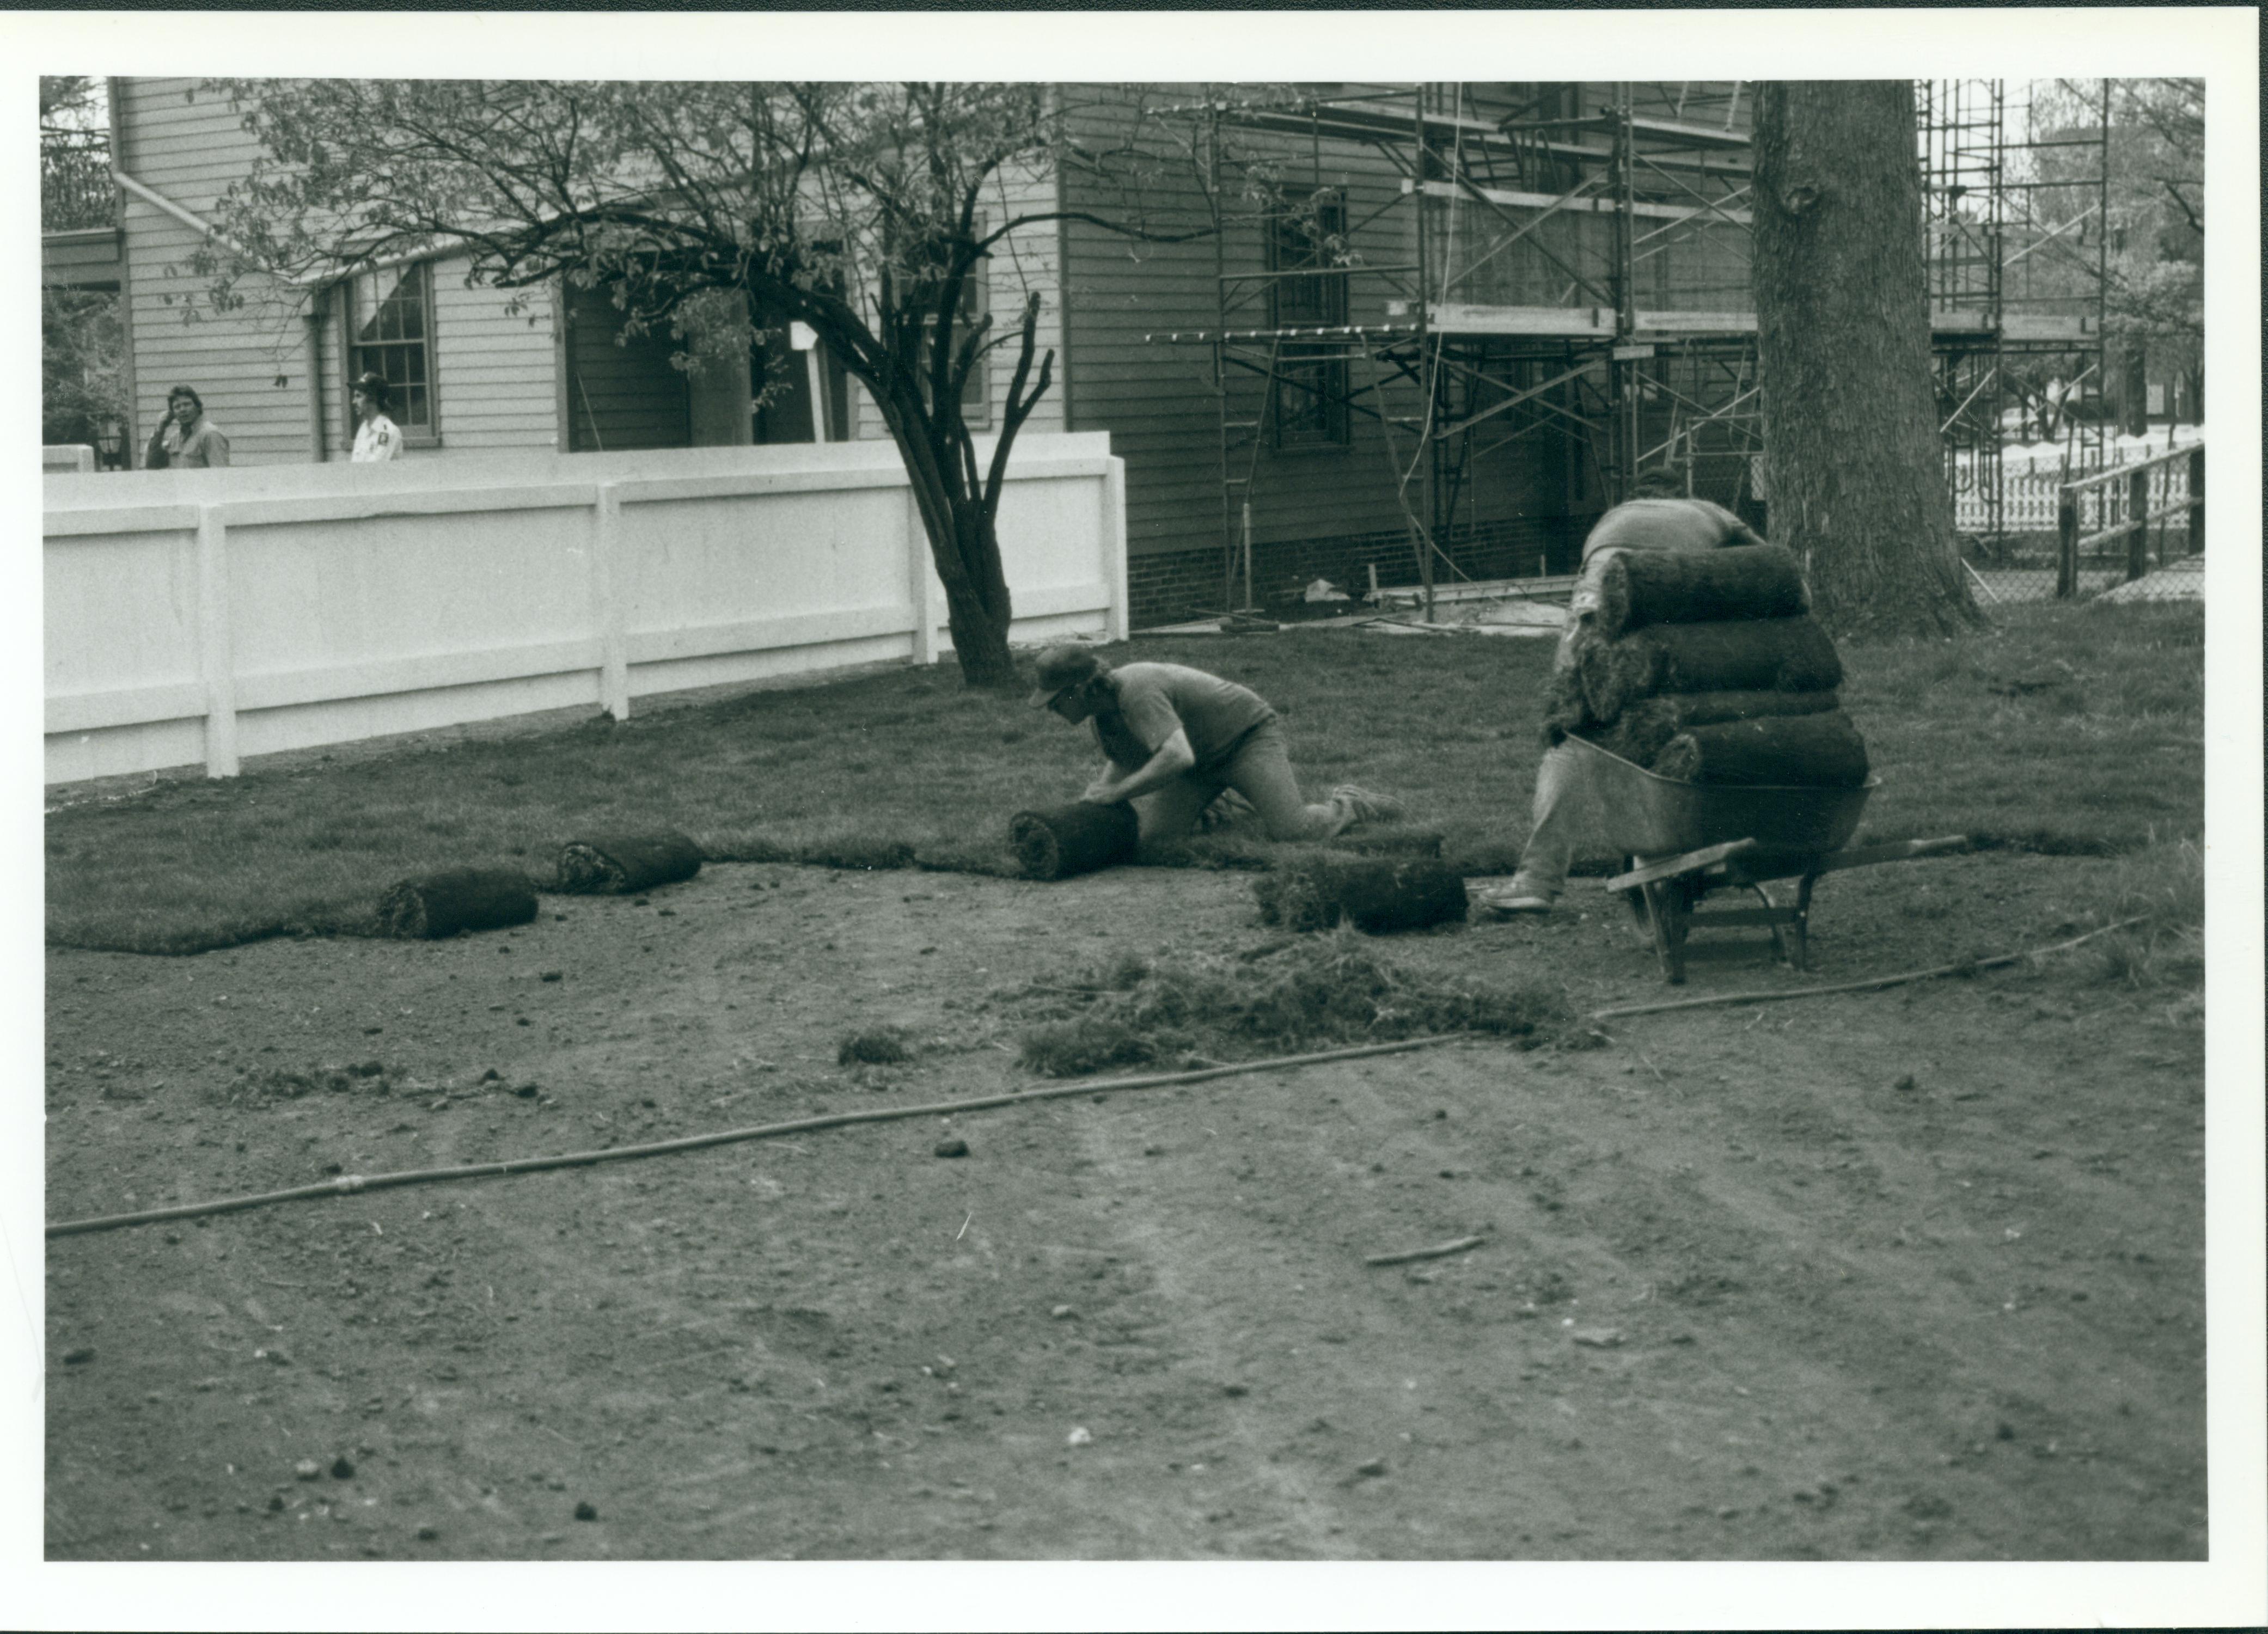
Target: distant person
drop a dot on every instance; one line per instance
(377, 438)
(1658, 516)
(186, 438)
(1174, 738)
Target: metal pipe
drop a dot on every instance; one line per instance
(348, 1185)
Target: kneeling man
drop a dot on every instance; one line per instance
(1173, 738)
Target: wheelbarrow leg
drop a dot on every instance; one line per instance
(1799, 951)
(1634, 898)
(1666, 909)
(1782, 946)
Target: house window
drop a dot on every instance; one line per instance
(390, 333)
(1308, 406)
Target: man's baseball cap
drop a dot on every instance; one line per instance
(1059, 670)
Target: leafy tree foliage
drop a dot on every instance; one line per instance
(82, 374)
(717, 210)
(2153, 269)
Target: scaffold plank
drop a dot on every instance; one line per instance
(1564, 323)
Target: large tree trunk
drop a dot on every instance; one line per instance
(1855, 463)
(962, 543)
(977, 611)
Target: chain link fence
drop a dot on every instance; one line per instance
(2134, 531)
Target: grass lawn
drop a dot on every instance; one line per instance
(2058, 729)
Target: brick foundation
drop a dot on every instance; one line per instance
(1169, 586)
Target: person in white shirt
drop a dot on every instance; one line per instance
(376, 437)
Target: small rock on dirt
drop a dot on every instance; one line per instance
(953, 1148)
(84, 1353)
(554, 976)
(1373, 1466)
(1235, 1389)
(426, 1534)
(1905, 1081)
(342, 1468)
(1597, 1338)
(1064, 1313)
(586, 1511)
(305, 1469)
(1079, 1436)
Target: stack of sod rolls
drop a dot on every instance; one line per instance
(1707, 667)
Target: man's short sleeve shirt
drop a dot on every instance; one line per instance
(1155, 701)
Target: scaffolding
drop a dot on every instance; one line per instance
(2015, 184)
(1572, 267)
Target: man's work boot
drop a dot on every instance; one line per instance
(1354, 806)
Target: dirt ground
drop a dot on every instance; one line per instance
(1915, 1275)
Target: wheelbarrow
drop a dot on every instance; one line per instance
(1684, 841)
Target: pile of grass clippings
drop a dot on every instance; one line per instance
(354, 1078)
(874, 1046)
(1317, 993)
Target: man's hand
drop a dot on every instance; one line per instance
(1102, 792)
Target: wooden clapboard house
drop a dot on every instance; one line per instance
(1405, 332)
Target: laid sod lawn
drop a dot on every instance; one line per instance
(2059, 729)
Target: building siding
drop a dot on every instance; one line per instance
(1028, 260)
(496, 369)
(251, 367)
(1157, 399)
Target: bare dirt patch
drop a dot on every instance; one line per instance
(1916, 1274)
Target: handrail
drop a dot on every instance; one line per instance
(2136, 528)
(2111, 473)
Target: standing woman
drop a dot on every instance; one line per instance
(186, 438)
(376, 437)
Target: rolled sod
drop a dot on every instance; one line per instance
(1639, 588)
(1648, 724)
(1745, 655)
(1072, 839)
(613, 864)
(1798, 751)
(1563, 708)
(456, 899)
(1379, 895)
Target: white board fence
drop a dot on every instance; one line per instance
(202, 616)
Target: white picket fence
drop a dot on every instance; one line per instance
(199, 617)
(2030, 475)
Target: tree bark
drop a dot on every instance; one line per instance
(1855, 462)
(962, 542)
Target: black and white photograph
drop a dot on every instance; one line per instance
(1135, 803)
